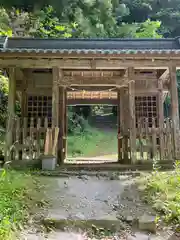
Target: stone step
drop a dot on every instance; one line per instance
(110, 223)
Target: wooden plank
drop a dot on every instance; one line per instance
(154, 140)
(147, 139)
(174, 106)
(74, 102)
(80, 63)
(38, 138)
(24, 135)
(17, 138)
(67, 80)
(132, 114)
(10, 113)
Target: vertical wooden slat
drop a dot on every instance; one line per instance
(132, 119)
(174, 107)
(148, 145)
(10, 112)
(38, 138)
(140, 129)
(24, 140)
(161, 118)
(17, 138)
(31, 134)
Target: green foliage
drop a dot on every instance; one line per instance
(91, 142)
(3, 99)
(161, 189)
(17, 197)
(49, 25)
(148, 29)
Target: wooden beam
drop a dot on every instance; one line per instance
(165, 75)
(121, 63)
(132, 118)
(174, 106)
(75, 102)
(11, 113)
(67, 80)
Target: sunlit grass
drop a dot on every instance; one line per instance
(92, 143)
(162, 190)
(17, 199)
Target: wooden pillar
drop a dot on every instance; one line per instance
(65, 124)
(62, 125)
(120, 122)
(132, 119)
(11, 113)
(161, 117)
(125, 110)
(57, 76)
(174, 107)
(24, 99)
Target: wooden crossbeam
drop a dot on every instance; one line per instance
(121, 63)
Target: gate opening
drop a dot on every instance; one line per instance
(92, 134)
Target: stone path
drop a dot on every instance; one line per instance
(102, 201)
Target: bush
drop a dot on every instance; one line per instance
(3, 99)
(17, 197)
(162, 190)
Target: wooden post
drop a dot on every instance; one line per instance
(174, 107)
(11, 113)
(57, 75)
(119, 112)
(125, 112)
(65, 124)
(62, 140)
(132, 119)
(161, 117)
(24, 98)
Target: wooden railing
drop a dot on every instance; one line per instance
(152, 143)
(28, 138)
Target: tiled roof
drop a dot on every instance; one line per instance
(86, 46)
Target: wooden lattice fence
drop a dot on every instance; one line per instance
(28, 138)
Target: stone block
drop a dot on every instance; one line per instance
(147, 223)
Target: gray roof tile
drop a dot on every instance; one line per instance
(93, 46)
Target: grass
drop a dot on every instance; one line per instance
(92, 143)
(162, 190)
(17, 198)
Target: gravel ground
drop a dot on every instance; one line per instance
(88, 197)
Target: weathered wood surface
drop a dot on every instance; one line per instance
(142, 62)
(11, 113)
(174, 106)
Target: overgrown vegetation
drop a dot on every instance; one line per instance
(17, 199)
(92, 142)
(162, 190)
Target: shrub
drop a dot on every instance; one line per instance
(162, 190)
(17, 197)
